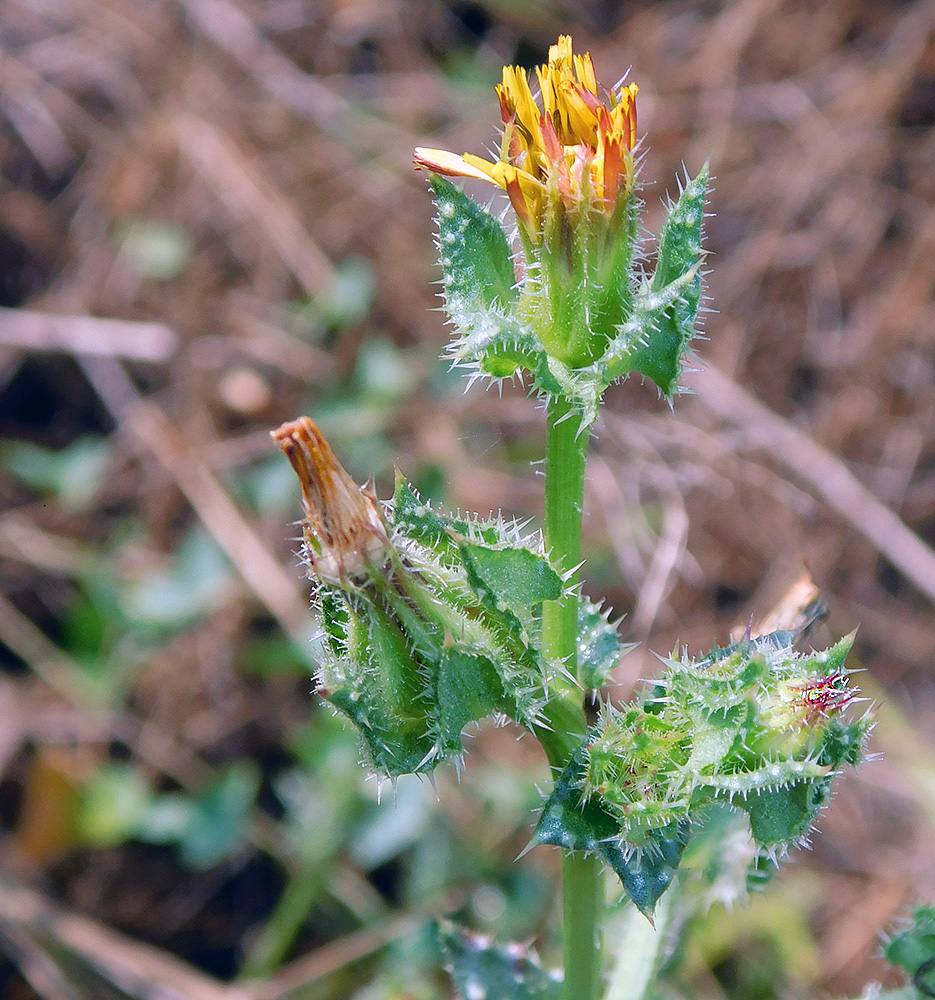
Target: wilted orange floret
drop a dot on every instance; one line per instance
(345, 532)
(575, 146)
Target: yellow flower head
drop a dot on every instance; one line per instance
(576, 151)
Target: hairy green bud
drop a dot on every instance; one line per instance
(429, 623)
(756, 726)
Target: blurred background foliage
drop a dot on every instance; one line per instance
(208, 225)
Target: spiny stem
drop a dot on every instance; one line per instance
(582, 881)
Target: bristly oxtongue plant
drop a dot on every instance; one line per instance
(432, 622)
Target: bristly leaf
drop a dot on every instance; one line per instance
(480, 968)
(574, 823)
(680, 239)
(475, 254)
(599, 646)
(521, 578)
(914, 950)
(785, 813)
(477, 274)
(390, 746)
(648, 871)
(669, 331)
(468, 688)
(416, 519)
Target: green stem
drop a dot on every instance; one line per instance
(582, 881)
(582, 912)
(565, 453)
(641, 948)
(277, 936)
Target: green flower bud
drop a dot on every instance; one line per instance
(744, 724)
(756, 726)
(429, 623)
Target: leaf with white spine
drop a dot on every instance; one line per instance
(479, 285)
(475, 254)
(574, 823)
(516, 576)
(662, 323)
(468, 688)
(599, 646)
(479, 968)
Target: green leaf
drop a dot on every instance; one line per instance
(497, 345)
(72, 474)
(843, 742)
(785, 813)
(480, 968)
(113, 805)
(348, 298)
(680, 239)
(479, 282)
(384, 374)
(575, 824)
(678, 266)
(392, 746)
(385, 833)
(448, 637)
(475, 254)
(662, 322)
(174, 597)
(210, 826)
(519, 577)
(468, 689)
(648, 871)
(412, 516)
(599, 646)
(393, 660)
(219, 824)
(371, 674)
(761, 781)
(662, 325)
(914, 950)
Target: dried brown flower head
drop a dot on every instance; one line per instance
(345, 533)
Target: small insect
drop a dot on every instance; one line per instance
(823, 695)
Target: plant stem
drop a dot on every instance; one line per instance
(565, 453)
(641, 948)
(282, 928)
(582, 881)
(582, 912)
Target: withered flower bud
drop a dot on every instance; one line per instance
(428, 623)
(345, 534)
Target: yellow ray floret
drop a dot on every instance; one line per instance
(572, 152)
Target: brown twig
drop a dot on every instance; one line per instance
(330, 958)
(275, 588)
(238, 179)
(74, 949)
(38, 331)
(826, 474)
